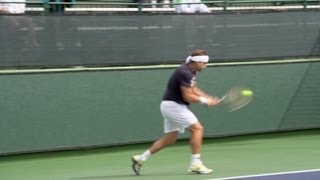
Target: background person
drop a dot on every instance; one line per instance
(59, 8)
(184, 7)
(12, 8)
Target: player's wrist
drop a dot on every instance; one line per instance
(203, 100)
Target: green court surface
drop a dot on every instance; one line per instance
(229, 156)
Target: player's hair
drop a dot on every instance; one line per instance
(199, 52)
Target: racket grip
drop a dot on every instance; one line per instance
(222, 98)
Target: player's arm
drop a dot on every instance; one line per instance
(191, 95)
(199, 92)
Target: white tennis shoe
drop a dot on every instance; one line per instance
(137, 164)
(200, 169)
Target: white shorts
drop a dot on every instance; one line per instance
(177, 117)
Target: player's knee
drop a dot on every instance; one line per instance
(196, 128)
(200, 128)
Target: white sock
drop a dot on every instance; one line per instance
(145, 155)
(195, 159)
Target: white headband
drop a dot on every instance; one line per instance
(202, 58)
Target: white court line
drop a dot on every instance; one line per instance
(268, 174)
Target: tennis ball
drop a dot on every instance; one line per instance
(246, 92)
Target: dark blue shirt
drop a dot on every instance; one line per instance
(182, 76)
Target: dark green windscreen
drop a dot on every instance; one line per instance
(100, 40)
(84, 109)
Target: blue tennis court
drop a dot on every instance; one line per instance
(313, 174)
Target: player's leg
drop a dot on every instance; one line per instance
(196, 131)
(168, 139)
(177, 118)
(138, 160)
(196, 164)
(171, 130)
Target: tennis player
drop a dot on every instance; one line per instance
(181, 91)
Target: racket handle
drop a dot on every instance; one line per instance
(223, 98)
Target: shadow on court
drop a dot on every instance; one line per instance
(105, 177)
(119, 176)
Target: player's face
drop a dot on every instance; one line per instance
(201, 66)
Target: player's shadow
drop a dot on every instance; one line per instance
(103, 177)
(123, 176)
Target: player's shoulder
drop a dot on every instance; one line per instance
(183, 72)
(183, 68)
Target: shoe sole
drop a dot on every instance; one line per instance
(197, 172)
(134, 164)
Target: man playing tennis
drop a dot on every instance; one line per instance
(181, 91)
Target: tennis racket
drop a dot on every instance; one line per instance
(236, 98)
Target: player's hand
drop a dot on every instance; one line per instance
(212, 101)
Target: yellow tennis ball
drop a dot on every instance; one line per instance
(246, 92)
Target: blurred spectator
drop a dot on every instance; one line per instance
(154, 2)
(3, 8)
(184, 7)
(12, 8)
(55, 8)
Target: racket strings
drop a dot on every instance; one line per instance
(236, 100)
